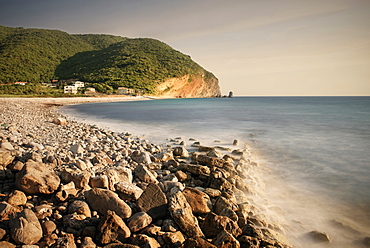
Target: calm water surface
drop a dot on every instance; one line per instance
(314, 151)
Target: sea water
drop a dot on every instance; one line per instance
(313, 153)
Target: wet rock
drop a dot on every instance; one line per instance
(79, 207)
(25, 228)
(153, 201)
(181, 152)
(319, 237)
(144, 174)
(139, 221)
(59, 121)
(36, 178)
(200, 202)
(145, 241)
(181, 212)
(226, 240)
(173, 239)
(198, 242)
(214, 224)
(128, 191)
(247, 241)
(17, 198)
(103, 200)
(113, 228)
(6, 157)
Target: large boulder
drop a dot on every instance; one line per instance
(113, 228)
(128, 191)
(200, 202)
(153, 201)
(103, 200)
(36, 178)
(25, 228)
(182, 214)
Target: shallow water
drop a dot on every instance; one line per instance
(313, 152)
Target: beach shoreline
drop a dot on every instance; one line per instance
(83, 154)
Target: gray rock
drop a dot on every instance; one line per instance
(181, 212)
(153, 201)
(25, 228)
(36, 178)
(139, 221)
(103, 200)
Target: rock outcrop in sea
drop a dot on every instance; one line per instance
(69, 184)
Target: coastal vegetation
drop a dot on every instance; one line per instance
(103, 61)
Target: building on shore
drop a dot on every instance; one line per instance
(90, 91)
(73, 89)
(125, 91)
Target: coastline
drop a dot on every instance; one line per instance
(87, 158)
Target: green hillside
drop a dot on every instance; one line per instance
(40, 55)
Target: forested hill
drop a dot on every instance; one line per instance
(41, 55)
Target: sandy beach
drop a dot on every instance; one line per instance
(76, 185)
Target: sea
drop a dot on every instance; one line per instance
(311, 155)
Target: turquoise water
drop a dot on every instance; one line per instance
(315, 148)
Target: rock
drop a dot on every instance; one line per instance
(112, 228)
(100, 181)
(200, 202)
(141, 157)
(17, 166)
(60, 121)
(319, 237)
(7, 209)
(48, 227)
(197, 169)
(79, 207)
(118, 174)
(65, 191)
(44, 210)
(25, 228)
(181, 176)
(17, 198)
(221, 203)
(169, 225)
(226, 240)
(181, 152)
(229, 213)
(2, 233)
(153, 201)
(103, 200)
(65, 240)
(36, 146)
(212, 192)
(128, 191)
(214, 224)
(198, 242)
(145, 241)
(144, 174)
(6, 157)
(88, 243)
(81, 164)
(77, 149)
(6, 244)
(235, 142)
(80, 179)
(36, 178)
(139, 221)
(7, 146)
(174, 239)
(181, 212)
(247, 241)
(366, 242)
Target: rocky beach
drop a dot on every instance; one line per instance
(68, 184)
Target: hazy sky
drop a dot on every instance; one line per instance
(254, 47)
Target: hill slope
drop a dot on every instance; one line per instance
(40, 55)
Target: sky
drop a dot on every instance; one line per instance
(254, 47)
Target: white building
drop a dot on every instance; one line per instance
(70, 89)
(79, 84)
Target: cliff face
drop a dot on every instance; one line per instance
(187, 87)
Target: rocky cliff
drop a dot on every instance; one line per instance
(189, 86)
